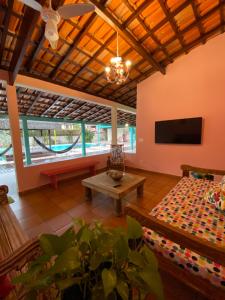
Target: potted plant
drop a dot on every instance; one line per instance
(92, 261)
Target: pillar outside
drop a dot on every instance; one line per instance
(114, 125)
(26, 142)
(83, 139)
(15, 130)
(131, 133)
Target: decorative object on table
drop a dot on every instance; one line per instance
(3, 194)
(115, 174)
(52, 17)
(116, 160)
(93, 262)
(118, 70)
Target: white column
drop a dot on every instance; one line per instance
(114, 125)
(15, 131)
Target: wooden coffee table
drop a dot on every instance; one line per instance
(117, 190)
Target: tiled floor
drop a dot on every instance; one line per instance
(49, 210)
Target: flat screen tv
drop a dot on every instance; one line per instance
(181, 131)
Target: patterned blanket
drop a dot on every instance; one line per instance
(184, 207)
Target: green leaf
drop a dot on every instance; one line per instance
(67, 261)
(153, 281)
(86, 235)
(121, 248)
(122, 289)
(52, 244)
(65, 283)
(32, 295)
(137, 259)
(95, 261)
(134, 229)
(109, 279)
(150, 258)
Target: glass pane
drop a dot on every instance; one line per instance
(127, 136)
(6, 149)
(54, 141)
(98, 138)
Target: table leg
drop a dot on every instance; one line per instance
(88, 194)
(118, 207)
(140, 190)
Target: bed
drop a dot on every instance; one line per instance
(188, 234)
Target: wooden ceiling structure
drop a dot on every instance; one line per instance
(47, 105)
(152, 33)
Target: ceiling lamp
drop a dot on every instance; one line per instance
(118, 70)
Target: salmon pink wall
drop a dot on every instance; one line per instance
(194, 86)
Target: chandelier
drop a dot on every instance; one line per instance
(118, 70)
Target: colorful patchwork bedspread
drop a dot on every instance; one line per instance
(184, 207)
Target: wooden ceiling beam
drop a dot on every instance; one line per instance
(79, 36)
(70, 114)
(37, 98)
(172, 23)
(196, 14)
(73, 101)
(109, 40)
(164, 21)
(153, 37)
(26, 29)
(195, 24)
(199, 40)
(6, 26)
(137, 12)
(222, 17)
(112, 21)
(35, 52)
(51, 105)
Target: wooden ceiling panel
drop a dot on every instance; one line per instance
(119, 10)
(185, 18)
(137, 29)
(159, 56)
(165, 33)
(174, 47)
(204, 6)
(149, 44)
(153, 14)
(212, 22)
(191, 35)
(152, 33)
(174, 4)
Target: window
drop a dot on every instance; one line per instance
(98, 138)
(51, 141)
(126, 135)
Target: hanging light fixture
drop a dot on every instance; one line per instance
(118, 69)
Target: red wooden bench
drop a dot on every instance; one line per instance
(54, 173)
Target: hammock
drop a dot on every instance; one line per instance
(56, 151)
(6, 150)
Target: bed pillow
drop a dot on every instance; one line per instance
(222, 183)
(216, 196)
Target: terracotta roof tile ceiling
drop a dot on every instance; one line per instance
(41, 104)
(152, 33)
